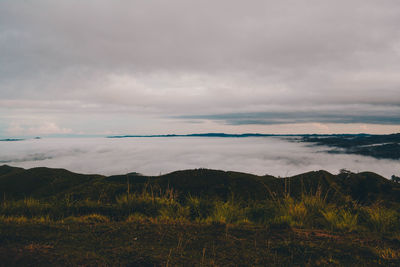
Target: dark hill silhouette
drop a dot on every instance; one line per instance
(369, 187)
(5, 169)
(46, 183)
(218, 183)
(40, 182)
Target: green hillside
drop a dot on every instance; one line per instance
(54, 217)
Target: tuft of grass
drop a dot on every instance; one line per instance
(141, 203)
(291, 212)
(174, 211)
(42, 219)
(228, 213)
(381, 219)
(151, 203)
(136, 217)
(91, 218)
(314, 203)
(341, 220)
(23, 219)
(14, 219)
(31, 202)
(303, 212)
(388, 253)
(297, 211)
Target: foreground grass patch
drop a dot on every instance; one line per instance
(310, 211)
(158, 244)
(162, 243)
(156, 228)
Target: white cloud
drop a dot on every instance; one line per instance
(151, 156)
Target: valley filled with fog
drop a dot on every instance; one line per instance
(159, 155)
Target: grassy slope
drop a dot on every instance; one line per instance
(153, 241)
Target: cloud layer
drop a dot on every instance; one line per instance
(152, 62)
(152, 156)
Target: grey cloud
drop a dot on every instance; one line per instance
(268, 118)
(187, 34)
(169, 57)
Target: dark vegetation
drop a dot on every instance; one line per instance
(377, 146)
(197, 217)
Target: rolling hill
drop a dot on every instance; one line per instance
(47, 183)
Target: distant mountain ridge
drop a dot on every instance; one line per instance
(197, 135)
(231, 135)
(377, 146)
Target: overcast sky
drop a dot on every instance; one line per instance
(149, 67)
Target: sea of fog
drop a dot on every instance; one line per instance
(159, 155)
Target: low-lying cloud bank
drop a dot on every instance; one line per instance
(152, 156)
